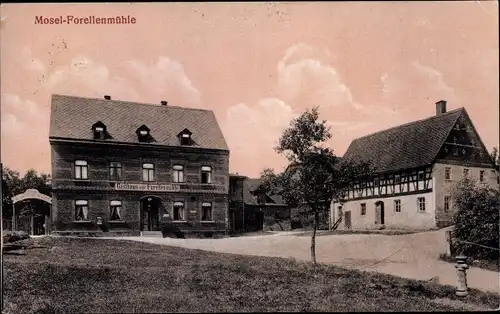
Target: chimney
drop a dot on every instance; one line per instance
(107, 97)
(440, 107)
(164, 103)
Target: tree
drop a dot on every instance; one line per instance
(476, 218)
(495, 157)
(314, 176)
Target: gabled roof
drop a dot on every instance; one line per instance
(72, 118)
(249, 185)
(406, 146)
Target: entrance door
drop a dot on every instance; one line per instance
(39, 224)
(379, 213)
(233, 216)
(260, 218)
(150, 214)
(347, 220)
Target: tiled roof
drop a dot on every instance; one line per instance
(72, 118)
(406, 146)
(250, 185)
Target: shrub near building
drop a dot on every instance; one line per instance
(476, 219)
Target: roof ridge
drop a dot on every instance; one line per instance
(411, 122)
(132, 102)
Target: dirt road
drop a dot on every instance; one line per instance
(412, 255)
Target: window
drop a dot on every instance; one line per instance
(397, 178)
(446, 203)
(81, 169)
(421, 204)
(99, 131)
(421, 175)
(185, 139)
(148, 172)
(376, 181)
(481, 176)
(206, 214)
(178, 211)
(447, 173)
(397, 206)
(206, 174)
(178, 173)
(466, 172)
(363, 209)
(143, 133)
(233, 186)
(115, 209)
(81, 210)
(115, 170)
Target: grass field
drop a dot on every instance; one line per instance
(71, 275)
(484, 264)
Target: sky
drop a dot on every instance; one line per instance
(367, 65)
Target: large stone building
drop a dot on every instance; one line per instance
(416, 167)
(127, 167)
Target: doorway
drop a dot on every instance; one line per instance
(347, 220)
(379, 213)
(150, 210)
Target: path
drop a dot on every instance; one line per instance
(413, 255)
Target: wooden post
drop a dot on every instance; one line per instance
(32, 224)
(448, 243)
(14, 217)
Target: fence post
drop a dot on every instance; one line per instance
(461, 267)
(448, 243)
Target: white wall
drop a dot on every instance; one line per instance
(408, 218)
(443, 187)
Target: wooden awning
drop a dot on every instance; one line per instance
(31, 194)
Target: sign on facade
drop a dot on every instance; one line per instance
(147, 187)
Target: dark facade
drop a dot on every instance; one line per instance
(252, 209)
(123, 167)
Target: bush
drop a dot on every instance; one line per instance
(476, 219)
(171, 231)
(13, 236)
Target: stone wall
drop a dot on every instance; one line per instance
(98, 188)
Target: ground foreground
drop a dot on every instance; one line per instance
(70, 275)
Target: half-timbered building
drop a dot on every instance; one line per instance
(121, 167)
(416, 166)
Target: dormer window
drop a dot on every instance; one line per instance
(143, 133)
(185, 137)
(99, 130)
